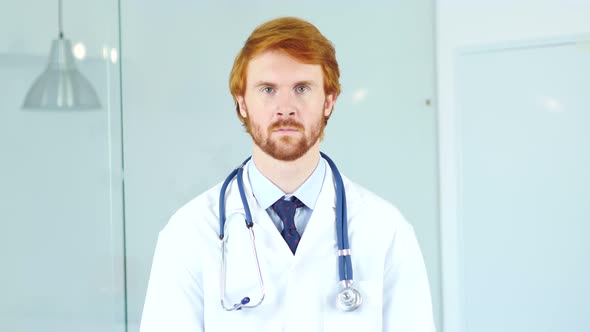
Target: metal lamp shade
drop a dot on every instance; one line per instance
(61, 86)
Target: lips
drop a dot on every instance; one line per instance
(288, 129)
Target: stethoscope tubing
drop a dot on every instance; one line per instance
(238, 170)
(344, 258)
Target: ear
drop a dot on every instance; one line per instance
(329, 104)
(242, 106)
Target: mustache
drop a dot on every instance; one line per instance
(291, 123)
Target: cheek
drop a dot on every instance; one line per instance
(258, 118)
(257, 105)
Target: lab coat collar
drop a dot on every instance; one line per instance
(233, 202)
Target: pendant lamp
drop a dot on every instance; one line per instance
(61, 86)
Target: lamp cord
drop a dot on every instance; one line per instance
(61, 34)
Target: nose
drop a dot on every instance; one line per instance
(285, 105)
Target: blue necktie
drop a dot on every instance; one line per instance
(286, 211)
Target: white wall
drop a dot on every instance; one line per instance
(182, 135)
(461, 23)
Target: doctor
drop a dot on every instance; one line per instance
(283, 273)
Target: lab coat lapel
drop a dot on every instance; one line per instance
(234, 201)
(321, 228)
(320, 233)
(270, 235)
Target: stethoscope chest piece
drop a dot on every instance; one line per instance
(349, 299)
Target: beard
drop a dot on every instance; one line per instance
(285, 148)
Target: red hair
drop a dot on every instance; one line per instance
(296, 37)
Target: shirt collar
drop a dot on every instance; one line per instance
(266, 192)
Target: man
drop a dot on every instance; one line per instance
(285, 84)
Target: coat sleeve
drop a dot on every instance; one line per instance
(174, 299)
(407, 305)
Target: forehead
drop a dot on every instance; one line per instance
(280, 68)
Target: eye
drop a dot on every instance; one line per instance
(302, 89)
(267, 90)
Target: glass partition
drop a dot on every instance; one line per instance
(61, 244)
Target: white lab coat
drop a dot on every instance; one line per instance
(301, 289)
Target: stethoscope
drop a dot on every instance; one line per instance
(348, 298)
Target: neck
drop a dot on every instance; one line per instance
(287, 175)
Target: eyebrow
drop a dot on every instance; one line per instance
(264, 83)
(274, 85)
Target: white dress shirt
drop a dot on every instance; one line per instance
(267, 193)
